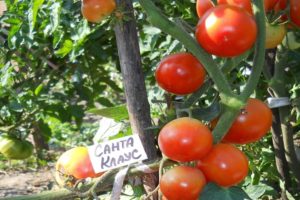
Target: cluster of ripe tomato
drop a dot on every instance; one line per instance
(224, 30)
(188, 140)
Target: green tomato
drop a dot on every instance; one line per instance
(291, 41)
(13, 148)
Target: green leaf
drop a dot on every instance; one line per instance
(117, 113)
(214, 192)
(208, 113)
(16, 106)
(38, 89)
(36, 4)
(256, 191)
(65, 49)
(45, 130)
(104, 101)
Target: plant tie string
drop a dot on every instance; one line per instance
(118, 183)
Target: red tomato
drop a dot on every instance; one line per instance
(96, 10)
(280, 6)
(245, 4)
(180, 73)
(202, 6)
(225, 165)
(182, 183)
(76, 162)
(226, 31)
(295, 12)
(269, 4)
(251, 125)
(185, 139)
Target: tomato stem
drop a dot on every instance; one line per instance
(159, 20)
(259, 56)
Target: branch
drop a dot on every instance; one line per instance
(233, 105)
(259, 56)
(64, 194)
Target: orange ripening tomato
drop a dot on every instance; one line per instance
(185, 139)
(182, 183)
(251, 125)
(225, 165)
(245, 4)
(76, 162)
(226, 31)
(269, 4)
(180, 73)
(295, 12)
(96, 10)
(274, 35)
(202, 6)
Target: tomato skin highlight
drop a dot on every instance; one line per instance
(180, 73)
(274, 35)
(295, 12)
(244, 4)
(182, 183)
(185, 139)
(225, 165)
(226, 31)
(76, 162)
(96, 10)
(203, 6)
(251, 125)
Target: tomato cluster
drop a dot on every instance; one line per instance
(187, 139)
(220, 31)
(213, 28)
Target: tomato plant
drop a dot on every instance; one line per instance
(185, 139)
(254, 121)
(96, 10)
(76, 162)
(274, 35)
(245, 4)
(13, 148)
(182, 182)
(180, 73)
(295, 12)
(225, 165)
(202, 6)
(226, 31)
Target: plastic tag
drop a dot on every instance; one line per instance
(278, 102)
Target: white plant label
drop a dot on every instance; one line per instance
(116, 153)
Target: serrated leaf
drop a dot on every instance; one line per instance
(117, 113)
(214, 192)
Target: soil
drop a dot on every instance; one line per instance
(13, 183)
